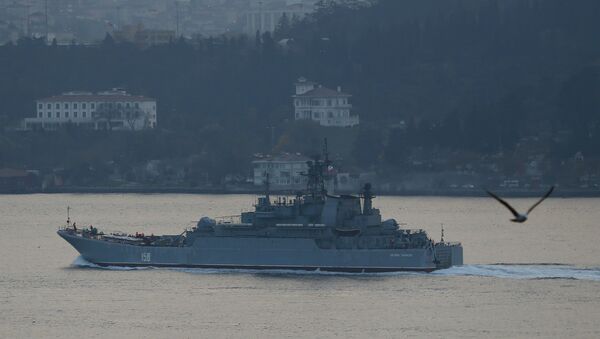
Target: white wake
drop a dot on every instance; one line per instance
(82, 263)
(526, 271)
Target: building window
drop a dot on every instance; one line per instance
(83, 105)
(74, 114)
(75, 105)
(40, 115)
(83, 114)
(92, 105)
(137, 105)
(328, 102)
(66, 105)
(49, 115)
(57, 106)
(57, 115)
(66, 114)
(40, 106)
(127, 105)
(48, 106)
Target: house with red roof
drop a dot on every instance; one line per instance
(326, 106)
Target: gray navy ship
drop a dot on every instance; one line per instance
(313, 230)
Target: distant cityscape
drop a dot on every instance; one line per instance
(142, 21)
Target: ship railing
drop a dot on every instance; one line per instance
(235, 225)
(229, 219)
(451, 243)
(84, 232)
(72, 229)
(300, 225)
(412, 230)
(88, 233)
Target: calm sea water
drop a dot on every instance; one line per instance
(538, 279)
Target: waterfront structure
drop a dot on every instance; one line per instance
(285, 171)
(18, 180)
(108, 110)
(326, 106)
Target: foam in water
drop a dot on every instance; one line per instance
(520, 271)
(508, 271)
(286, 272)
(533, 271)
(82, 263)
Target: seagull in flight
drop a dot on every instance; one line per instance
(518, 216)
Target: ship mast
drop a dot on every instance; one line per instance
(368, 196)
(267, 189)
(326, 165)
(316, 169)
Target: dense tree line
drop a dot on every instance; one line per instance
(475, 75)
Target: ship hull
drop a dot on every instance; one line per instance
(253, 253)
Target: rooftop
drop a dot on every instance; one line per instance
(284, 157)
(321, 92)
(12, 173)
(303, 80)
(113, 95)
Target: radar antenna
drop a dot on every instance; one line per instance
(325, 152)
(442, 239)
(317, 170)
(368, 196)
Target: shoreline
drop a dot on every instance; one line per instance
(516, 193)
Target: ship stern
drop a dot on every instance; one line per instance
(448, 254)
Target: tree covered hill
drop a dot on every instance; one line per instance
(476, 75)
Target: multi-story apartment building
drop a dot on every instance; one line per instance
(285, 171)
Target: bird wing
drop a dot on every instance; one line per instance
(542, 199)
(512, 210)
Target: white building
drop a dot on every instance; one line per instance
(326, 106)
(263, 16)
(285, 171)
(114, 110)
